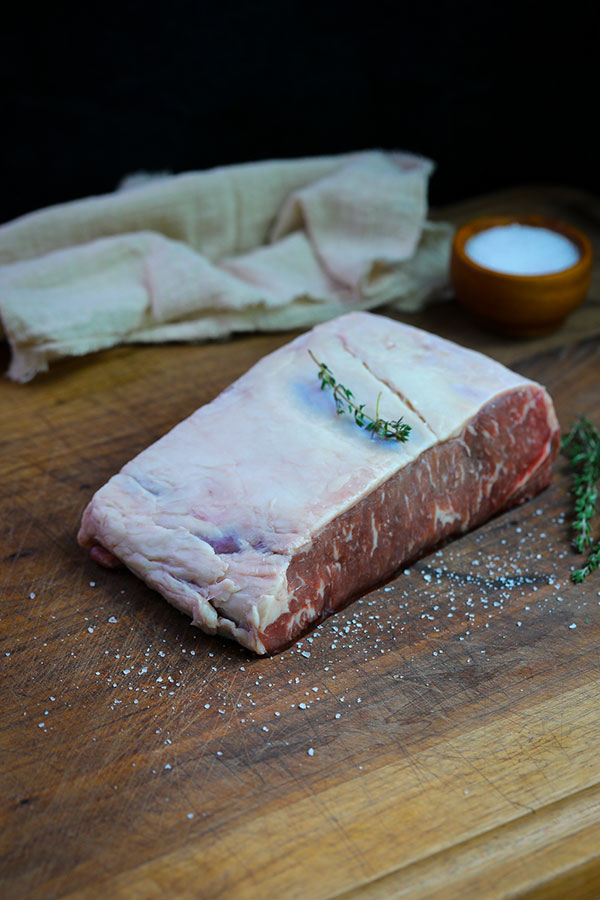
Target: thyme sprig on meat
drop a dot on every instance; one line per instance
(582, 447)
(396, 430)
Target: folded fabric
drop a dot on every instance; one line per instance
(269, 245)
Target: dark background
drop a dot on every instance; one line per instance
(499, 94)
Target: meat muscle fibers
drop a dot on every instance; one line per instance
(264, 510)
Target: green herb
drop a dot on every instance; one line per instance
(396, 430)
(582, 446)
(592, 562)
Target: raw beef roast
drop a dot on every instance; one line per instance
(264, 510)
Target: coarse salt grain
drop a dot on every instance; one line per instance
(522, 250)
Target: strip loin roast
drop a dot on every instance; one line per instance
(264, 510)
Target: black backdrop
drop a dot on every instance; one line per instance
(499, 94)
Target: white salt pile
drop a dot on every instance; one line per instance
(522, 250)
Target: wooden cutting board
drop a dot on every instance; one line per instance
(438, 738)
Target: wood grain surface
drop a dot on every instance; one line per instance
(437, 738)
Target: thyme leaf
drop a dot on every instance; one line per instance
(345, 402)
(592, 562)
(582, 447)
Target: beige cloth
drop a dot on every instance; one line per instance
(270, 245)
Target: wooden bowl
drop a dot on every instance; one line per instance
(520, 305)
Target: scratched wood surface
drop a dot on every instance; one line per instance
(438, 738)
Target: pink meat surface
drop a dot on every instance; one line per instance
(264, 510)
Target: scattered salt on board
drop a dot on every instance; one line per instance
(522, 250)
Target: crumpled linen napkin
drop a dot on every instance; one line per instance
(270, 245)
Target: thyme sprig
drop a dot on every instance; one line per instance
(396, 430)
(592, 562)
(582, 447)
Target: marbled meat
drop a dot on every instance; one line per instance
(264, 510)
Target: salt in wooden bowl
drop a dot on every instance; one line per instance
(520, 305)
